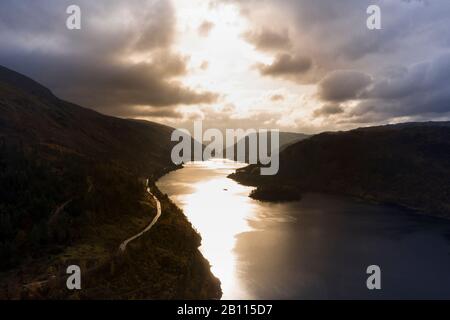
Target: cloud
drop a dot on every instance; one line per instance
(420, 91)
(328, 110)
(286, 66)
(126, 56)
(205, 28)
(399, 72)
(267, 39)
(123, 56)
(342, 85)
(337, 29)
(277, 97)
(204, 65)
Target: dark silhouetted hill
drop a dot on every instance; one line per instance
(405, 164)
(72, 189)
(32, 116)
(285, 140)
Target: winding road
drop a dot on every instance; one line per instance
(123, 245)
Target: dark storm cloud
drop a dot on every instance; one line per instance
(328, 110)
(343, 85)
(267, 39)
(338, 28)
(403, 69)
(286, 66)
(419, 92)
(422, 89)
(94, 66)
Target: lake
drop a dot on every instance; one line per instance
(316, 248)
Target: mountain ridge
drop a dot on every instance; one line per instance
(285, 140)
(41, 119)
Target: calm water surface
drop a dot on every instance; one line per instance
(317, 248)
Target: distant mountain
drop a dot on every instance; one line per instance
(289, 138)
(404, 164)
(286, 139)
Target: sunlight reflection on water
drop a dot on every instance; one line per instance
(219, 209)
(316, 248)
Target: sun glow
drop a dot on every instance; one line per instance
(222, 48)
(220, 60)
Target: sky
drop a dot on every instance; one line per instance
(295, 65)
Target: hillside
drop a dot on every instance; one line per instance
(71, 190)
(32, 116)
(286, 139)
(405, 164)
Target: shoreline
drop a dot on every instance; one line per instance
(252, 182)
(166, 262)
(161, 195)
